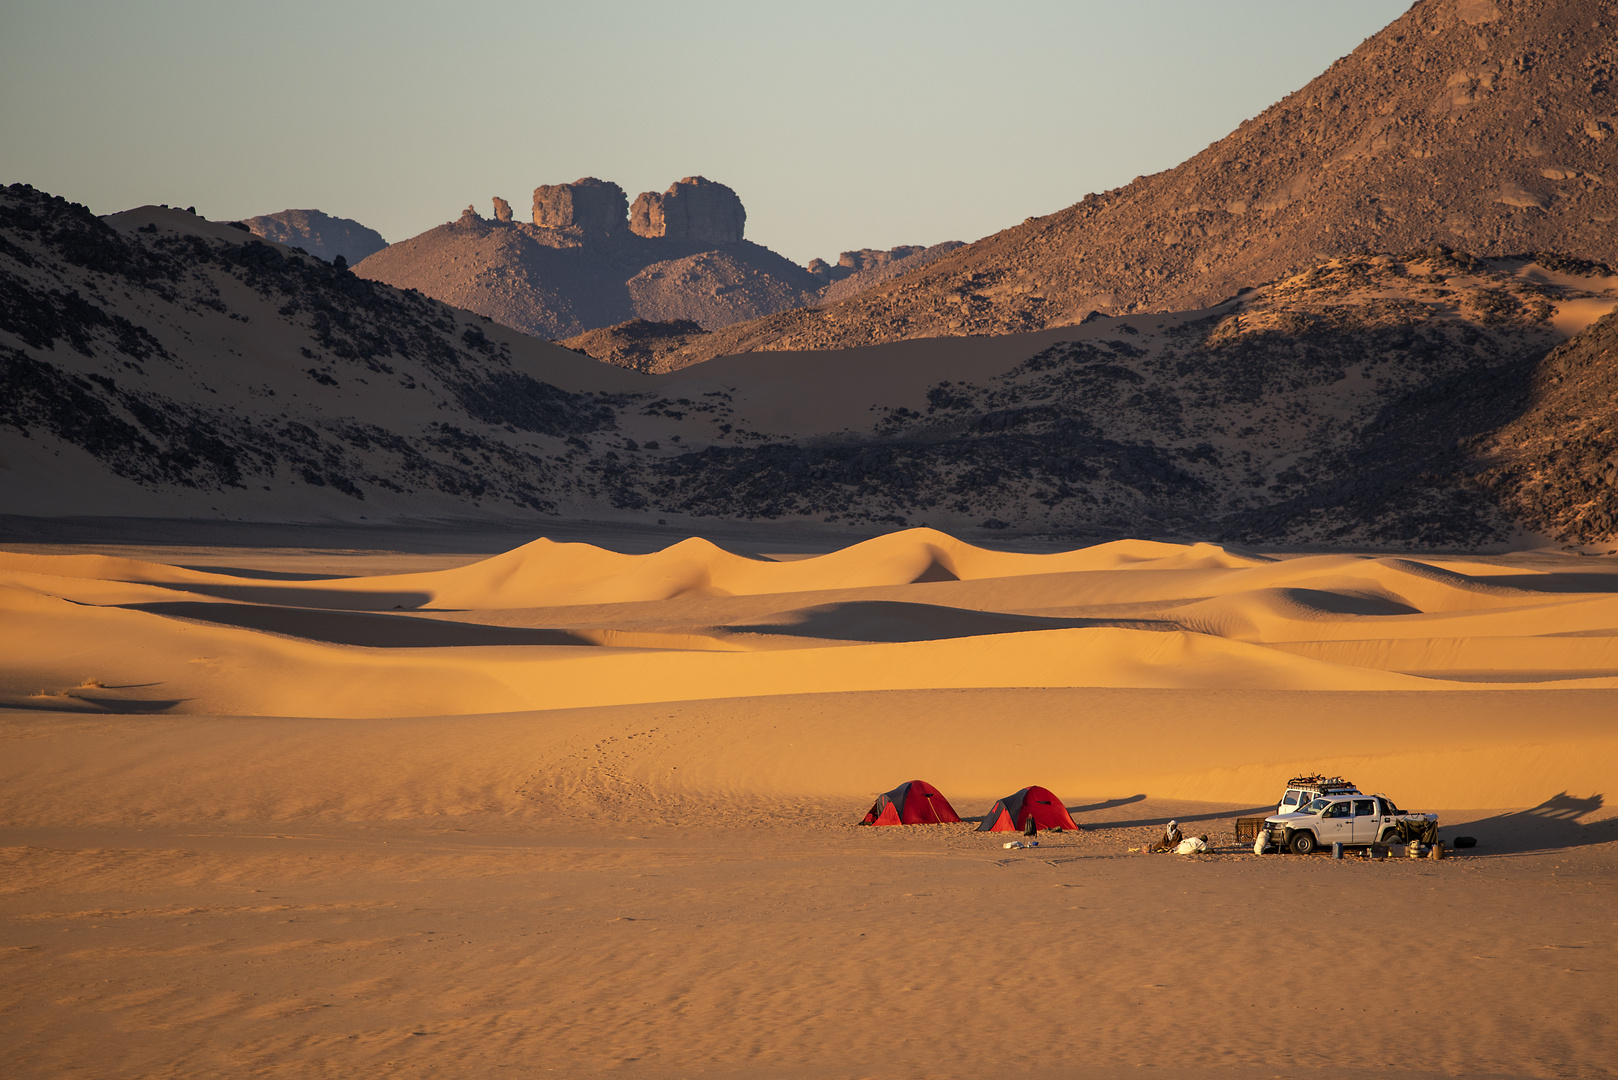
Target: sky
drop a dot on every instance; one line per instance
(840, 125)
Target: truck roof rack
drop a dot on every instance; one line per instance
(1326, 785)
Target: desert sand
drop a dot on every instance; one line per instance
(565, 810)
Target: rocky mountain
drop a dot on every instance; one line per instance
(155, 364)
(588, 260)
(857, 271)
(1489, 126)
(319, 234)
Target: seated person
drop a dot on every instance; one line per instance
(1171, 838)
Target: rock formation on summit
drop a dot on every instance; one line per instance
(319, 234)
(586, 262)
(857, 271)
(579, 266)
(854, 262)
(587, 204)
(1482, 125)
(695, 208)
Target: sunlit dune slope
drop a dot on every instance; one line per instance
(551, 626)
(545, 573)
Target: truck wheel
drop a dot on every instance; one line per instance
(1303, 842)
(1390, 837)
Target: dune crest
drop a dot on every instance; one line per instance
(569, 625)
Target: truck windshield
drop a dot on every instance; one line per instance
(1315, 807)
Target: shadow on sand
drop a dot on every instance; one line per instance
(92, 705)
(1554, 824)
(370, 629)
(1108, 805)
(266, 575)
(1183, 819)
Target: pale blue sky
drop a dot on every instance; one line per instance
(841, 125)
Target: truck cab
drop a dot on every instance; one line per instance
(1353, 820)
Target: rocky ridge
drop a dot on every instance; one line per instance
(857, 271)
(319, 234)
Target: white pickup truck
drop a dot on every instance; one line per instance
(1350, 820)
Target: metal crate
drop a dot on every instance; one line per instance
(1248, 828)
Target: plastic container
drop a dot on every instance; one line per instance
(1337, 850)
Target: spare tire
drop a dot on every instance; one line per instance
(1464, 842)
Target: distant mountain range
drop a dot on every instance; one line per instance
(589, 260)
(156, 364)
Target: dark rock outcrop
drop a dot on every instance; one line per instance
(502, 210)
(319, 234)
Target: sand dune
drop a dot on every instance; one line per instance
(569, 625)
(255, 822)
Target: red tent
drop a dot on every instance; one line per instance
(1011, 813)
(913, 803)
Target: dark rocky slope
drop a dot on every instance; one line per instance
(1340, 406)
(187, 357)
(1555, 465)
